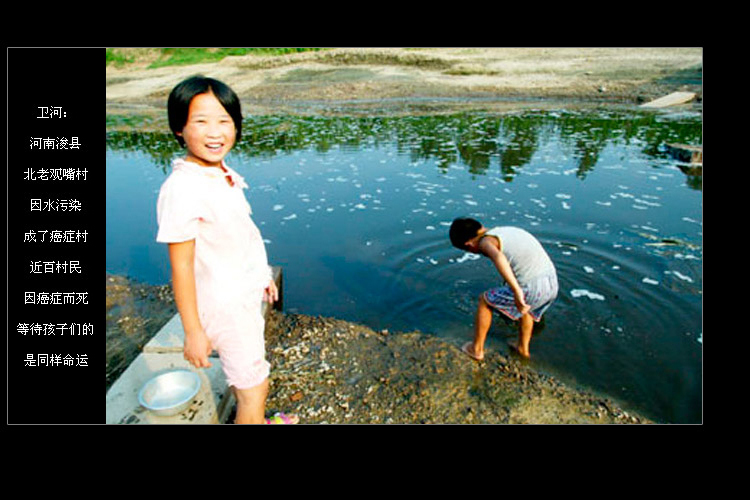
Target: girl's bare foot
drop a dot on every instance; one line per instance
(468, 349)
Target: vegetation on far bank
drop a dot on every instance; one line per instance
(175, 56)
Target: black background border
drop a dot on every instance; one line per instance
(71, 78)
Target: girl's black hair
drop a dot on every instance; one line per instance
(180, 97)
(462, 230)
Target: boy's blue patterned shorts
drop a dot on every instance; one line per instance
(538, 294)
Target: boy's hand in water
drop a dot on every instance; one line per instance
(521, 304)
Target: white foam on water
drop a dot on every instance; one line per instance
(681, 276)
(647, 203)
(276, 208)
(685, 257)
(650, 281)
(621, 195)
(585, 293)
(588, 269)
(468, 256)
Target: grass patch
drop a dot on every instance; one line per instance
(157, 58)
(117, 58)
(183, 56)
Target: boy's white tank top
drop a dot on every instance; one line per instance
(525, 254)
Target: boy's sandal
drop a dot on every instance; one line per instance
(282, 418)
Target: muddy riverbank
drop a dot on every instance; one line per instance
(135, 313)
(337, 372)
(331, 371)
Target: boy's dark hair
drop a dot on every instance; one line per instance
(180, 97)
(462, 230)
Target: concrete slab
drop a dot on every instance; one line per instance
(670, 100)
(686, 152)
(170, 338)
(210, 405)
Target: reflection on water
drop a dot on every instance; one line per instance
(473, 140)
(357, 210)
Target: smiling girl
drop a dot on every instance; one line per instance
(220, 270)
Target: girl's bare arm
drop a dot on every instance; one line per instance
(197, 346)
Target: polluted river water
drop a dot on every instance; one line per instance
(357, 211)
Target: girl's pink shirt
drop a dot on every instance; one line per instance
(231, 265)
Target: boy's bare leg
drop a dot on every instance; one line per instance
(525, 328)
(482, 323)
(251, 404)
